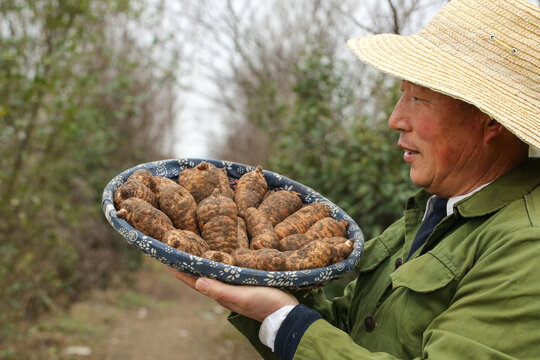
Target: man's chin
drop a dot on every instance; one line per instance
(417, 179)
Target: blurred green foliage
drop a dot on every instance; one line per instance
(349, 158)
(80, 100)
(75, 90)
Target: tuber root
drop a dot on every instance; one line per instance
(261, 230)
(341, 248)
(219, 256)
(134, 188)
(202, 179)
(250, 190)
(146, 177)
(278, 205)
(163, 180)
(215, 205)
(224, 184)
(185, 241)
(312, 255)
(300, 221)
(243, 240)
(293, 242)
(178, 204)
(145, 218)
(325, 228)
(262, 259)
(221, 233)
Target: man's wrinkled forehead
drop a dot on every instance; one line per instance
(438, 98)
(414, 86)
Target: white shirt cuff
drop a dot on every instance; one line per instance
(271, 325)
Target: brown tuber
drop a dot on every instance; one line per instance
(218, 222)
(243, 240)
(219, 256)
(325, 228)
(134, 188)
(278, 205)
(312, 255)
(302, 220)
(160, 180)
(262, 259)
(145, 218)
(224, 184)
(202, 179)
(185, 241)
(178, 204)
(146, 177)
(293, 242)
(261, 230)
(221, 233)
(250, 190)
(215, 205)
(341, 248)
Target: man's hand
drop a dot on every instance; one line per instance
(255, 302)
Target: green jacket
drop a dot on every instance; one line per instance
(474, 294)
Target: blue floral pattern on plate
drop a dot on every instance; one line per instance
(198, 266)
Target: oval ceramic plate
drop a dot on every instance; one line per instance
(198, 266)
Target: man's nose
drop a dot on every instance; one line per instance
(399, 119)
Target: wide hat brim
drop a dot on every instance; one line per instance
(484, 52)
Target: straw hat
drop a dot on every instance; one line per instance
(484, 52)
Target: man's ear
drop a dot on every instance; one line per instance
(492, 129)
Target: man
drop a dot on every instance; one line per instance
(457, 276)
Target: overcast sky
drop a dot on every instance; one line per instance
(199, 123)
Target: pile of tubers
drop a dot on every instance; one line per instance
(250, 226)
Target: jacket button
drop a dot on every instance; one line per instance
(369, 323)
(398, 263)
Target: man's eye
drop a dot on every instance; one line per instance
(416, 98)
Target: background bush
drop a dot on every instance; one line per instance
(77, 101)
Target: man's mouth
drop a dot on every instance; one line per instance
(409, 153)
(407, 148)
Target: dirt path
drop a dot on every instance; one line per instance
(162, 319)
(178, 323)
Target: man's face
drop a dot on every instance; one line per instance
(442, 137)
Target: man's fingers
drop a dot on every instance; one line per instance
(256, 302)
(252, 301)
(215, 289)
(185, 278)
(201, 285)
